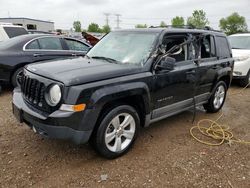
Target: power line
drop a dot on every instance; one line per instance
(118, 21)
(107, 18)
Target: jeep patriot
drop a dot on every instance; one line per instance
(128, 80)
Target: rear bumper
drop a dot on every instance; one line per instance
(49, 126)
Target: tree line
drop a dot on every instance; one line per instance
(93, 27)
(234, 23)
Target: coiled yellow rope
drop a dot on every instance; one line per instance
(215, 131)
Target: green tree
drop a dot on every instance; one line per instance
(177, 21)
(198, 19)
(233, 24)
(141, 26)
(93, 27)
(106, 29)
(77, 26)
(163, 24)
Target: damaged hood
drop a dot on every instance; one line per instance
(81, 70)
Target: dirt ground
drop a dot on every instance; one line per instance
(164, 155)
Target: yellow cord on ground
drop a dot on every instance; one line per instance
(215, 131)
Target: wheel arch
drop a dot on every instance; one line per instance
(134, 94)
(224, 75)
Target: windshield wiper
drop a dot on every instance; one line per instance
(106, 58)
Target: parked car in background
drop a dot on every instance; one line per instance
(8, 31)
(240, 44)
(22, 50)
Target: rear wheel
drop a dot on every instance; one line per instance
(245, 81)
(117, 132)
(16, 77)
(217, 98)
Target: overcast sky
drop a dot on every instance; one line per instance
(150, 12)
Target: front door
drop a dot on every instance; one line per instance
(174, 90)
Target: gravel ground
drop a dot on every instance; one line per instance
(164, 155)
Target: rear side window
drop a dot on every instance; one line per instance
(33, 45)
(207, 47)
(50, 43)
(76, 46)
(14, 31)
(223, 47)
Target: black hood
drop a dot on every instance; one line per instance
(81, 70)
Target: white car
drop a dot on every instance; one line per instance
(240, 44)
(8, 30)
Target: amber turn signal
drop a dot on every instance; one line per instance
(73, 108)
(79, 107)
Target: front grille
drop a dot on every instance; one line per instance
(34, 92)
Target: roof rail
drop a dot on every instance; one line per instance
(186, 27)
(211, 29)
(176, 26)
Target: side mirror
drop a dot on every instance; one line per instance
(167, 63)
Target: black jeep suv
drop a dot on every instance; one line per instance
(131, 78)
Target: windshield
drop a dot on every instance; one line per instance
(15, 31)
(125, 47)
(240, 42)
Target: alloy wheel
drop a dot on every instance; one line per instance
(219, 97)
(120, 132)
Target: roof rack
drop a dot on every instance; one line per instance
(176, 26)
(186, 27)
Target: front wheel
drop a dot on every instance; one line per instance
(217, 98)
(117, 132)
(16, 77)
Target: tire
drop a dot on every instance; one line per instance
(16, 76)
(111, 139)
(217, 98)
(246, 80)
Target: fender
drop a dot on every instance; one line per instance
(110, 93)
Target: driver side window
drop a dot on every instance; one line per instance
(170, 41)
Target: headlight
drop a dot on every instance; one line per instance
(54, 95)
(241, 58)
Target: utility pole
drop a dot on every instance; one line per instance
(107, 18)
(118, 21)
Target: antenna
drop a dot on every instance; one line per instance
(107, 18)
(118, 21)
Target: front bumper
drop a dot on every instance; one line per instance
(56, 125)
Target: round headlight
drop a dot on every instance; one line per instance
(54, 95)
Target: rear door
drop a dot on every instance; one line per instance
(46, 48)
(208, 64)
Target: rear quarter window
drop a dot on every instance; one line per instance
(33, 45)
(223, 47)
(14, 31)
